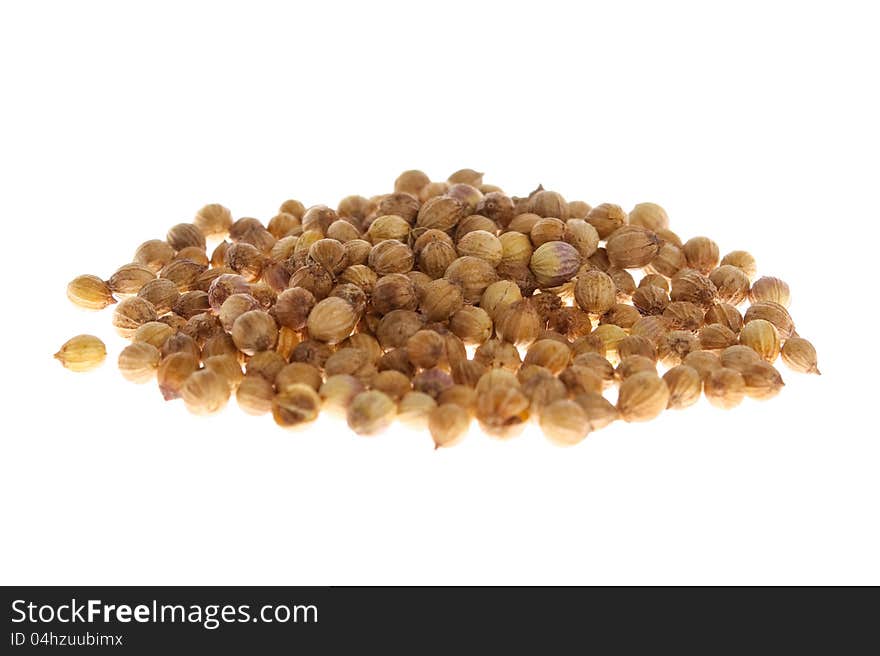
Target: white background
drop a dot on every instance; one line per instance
(755, 124)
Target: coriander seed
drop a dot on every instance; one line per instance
(82, 353)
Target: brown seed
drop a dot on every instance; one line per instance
(130, 314)
(185, 234)
(542, 390)
(284, 225)
(598, 364)
(502, 410)
(731, 283)
(564, 423)
(800, 355)
(588, 344)
(441, 212)
(518, 323)
(82, 353)
(293, 307)
(499, 295)
(318, 217)
(393, 383)
(266, 364)
(554, 263)
(650, 300)
(762, 337)
(235, 306)
(652, 328)
(683, 315)
(331, 320)
(293, 207)
(642, 397)
(595, 292)
(496, 353)
(432, 381)
(621, 314)
(685, 386)
(400, 204)
(370, 412)
(600, 412)
(90, 292)
(205, 392)
(153, 254)
(632, 247)
(224, 286)
(774, 313)
(338, 391)
(549, 204)
(396, 327)
(218, 255)
(173, 372)
(183, 273)
(762, 381)
(357, 251)
(343, 231)
(394, 292)
(704, 362)
(414, 409)
(161, 293)
(466, 176)
(496, 206)
(669, 260)
(191, 303)
(549, 353)
(298, 373)
(411, 182)
(154, 333)
(389, 226)
(241, 226)
(702, 254)
(579, 379)
(426, 349)
(633, 364)
(611, 335)
(636, 345)
(770, 289)
(692, 286)
(482, 244)
(546, 230)
(716, 337)
(724, 388)
(726, 315)
(246, 260)
(582, 236)
(448, 424)
(516, 248)
(738, 357)
(606, 218)
(227, 367)
(473, 275)
(649, 215)
(138, 362)
(675, 345)
(741, 260)
(254, 395)
(297, 404)
(365, 343)
(656, 280)
(471, 324)
(180, 343)
(578, 209)
(129, 278)
(330, 254)
(254, 331)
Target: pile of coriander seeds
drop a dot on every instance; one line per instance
(444, 303)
